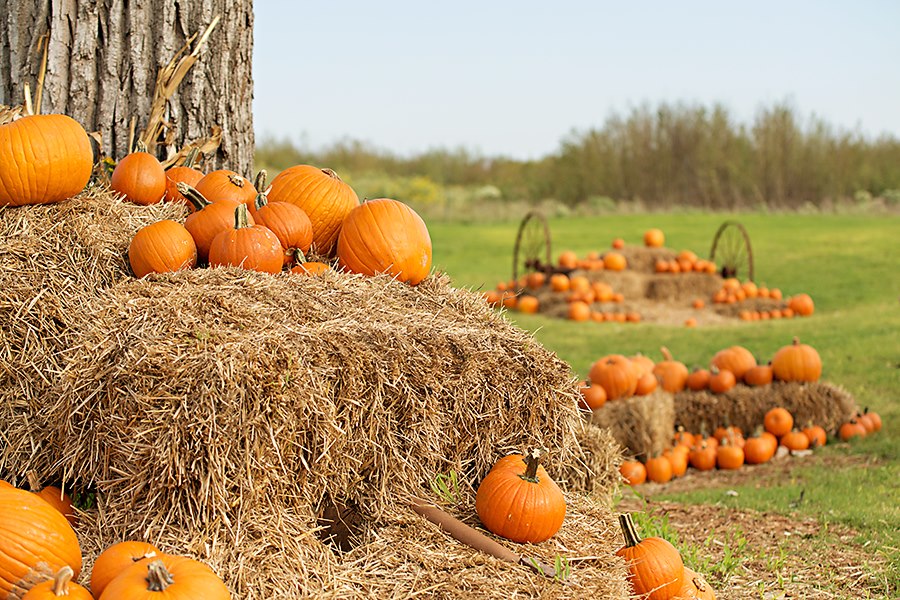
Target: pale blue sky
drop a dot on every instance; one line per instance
(514, 78)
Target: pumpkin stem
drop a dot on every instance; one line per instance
(33, 482)
(240, 216)
(532, 461)
(191, 157)
(299, 257)
(158, 577)
(236, 180)
(61, 581)
(260, 182)
(665, 352)
(796, 341)
(140, 146)
(332, 174)
(629, 530)
(193, 196)
(261, 200)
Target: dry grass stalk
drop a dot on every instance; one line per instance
(643, 425)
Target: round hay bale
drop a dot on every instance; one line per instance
(819, 403)
(55, 262)
(643, 425)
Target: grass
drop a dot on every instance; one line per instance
(847, 263)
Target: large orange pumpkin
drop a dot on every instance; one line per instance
(654, 565)
(802, 305)
(115, 559)
(169, 577)
(43, 159)
(60, 586)
(615, 374)
(518, 500)
(797, 362)
(36, 542)
(385, 236)
(671, 373)
(322, 195)
(224, 185)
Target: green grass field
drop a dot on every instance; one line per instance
(848, 264)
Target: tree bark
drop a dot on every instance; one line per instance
(103, 58)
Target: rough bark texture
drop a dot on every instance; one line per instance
(104, 56)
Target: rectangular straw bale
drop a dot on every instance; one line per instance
(643, 425)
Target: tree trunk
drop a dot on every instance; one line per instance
(103, 59)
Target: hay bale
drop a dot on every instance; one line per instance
(758, 304)
(820, 403)
(55, 262)
(599, 474)
(682, 286)
(629, 283)
(642, 259)
(643, 425)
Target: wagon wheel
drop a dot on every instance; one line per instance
(731, 251)
(532, 249)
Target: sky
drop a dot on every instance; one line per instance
(515, 78)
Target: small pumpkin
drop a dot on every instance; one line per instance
(61, 501)
(659, 469)
(695, 587)
(678, 458)
(802, 305)
(115, 559)
(654, 238)
(162, 247)
(721, 381)
(672, 374)
(223, 185)
(43, 159)
(875, 418)
(209, 219)
(758, 450)
(697, 380)
(251, 247)
(797, 362)
(816, 436)
(289, 224)
(315, 268)
(703, 456)
(166, 576)
(633, 472)
(592, 396)
(729, 456)
(655, 568)
(139, 177)
(614, 261)
(615, 374)
(529, 304)
(60, 586)
(385, 236)
(642, 364)
(736, 359)
(647, 384)
(851, 429)
(759, 375)
(795, 440)
(519, 501)
(778, 421)
(184, 173)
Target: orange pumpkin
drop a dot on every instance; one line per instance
(140, 178)
(322, 195)
(184, 173)
(797, 362)
(385, 236)
(60, 586)
(646, 384)
(758, 450)
(671, 373)
(736, 359)
(316, 268)
(678, 459)
(162, 247)
(875, 418)
(758, 375)
(703, 456)
(559, 282)
(592, 396)
(223, 185)
(115, 559)
(802, 305)
(169, 577)
(519, 501)
(816, 436)
(36, 542)
(209, 219)
(633, 472)
(613, 261)
(729, 456)
(795, 440)
(659, 469)
(642, 364)
(61, 501)
(251, 247)
(43, 159)
(615, 374)
(697, 380)
(654, 238)
(289, 224)
(655, 568)
(778, 421)
(721, 381)
(529, 304)
(695, 587)
(851, 429)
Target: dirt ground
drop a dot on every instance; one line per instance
(750, 554)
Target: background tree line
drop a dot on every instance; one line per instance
(664, 156)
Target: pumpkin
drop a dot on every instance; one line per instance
(655, 568)
(322, 195)
(646, 384)
(642, 364)
(795, 440)
(759, 375)
(736, 359)
(797, 362)
(816, 436)
(567, 259)
(59, 500)
(185, 173)
(802, 305)
(289, 224)
(385, 236)
(729, 456)
(875, 418)
(615, 374)
(695, 587)
(208, 220)
(140, 178)
(115, 559)
(654, 238)
(671, 373)
(703, 457)
(698, 380)
(758, 450)
(659, 469)
(592, 396)
(170, 577)
(851, 429)
(223, 185)
(251, 247)
(618, 243)
(865, 420)
(678, 459)
(778, 421)
(519, 501)
(60, 586)
(43, 159)
(529, 304)
(316, 268)
(162, 247)
(721, 381)
(613, 261)
(633, 472)
(683, 438)
(36, 542)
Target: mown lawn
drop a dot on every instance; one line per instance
(847, 263)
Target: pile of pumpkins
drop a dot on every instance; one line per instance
(40, 558)
(735, 292)
(48, 158)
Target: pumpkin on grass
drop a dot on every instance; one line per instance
(43, 159)
(519, 501)
(816, 435)
(385, 236)
(758, 450)
(251, 247)
(729, 456)
(850, 430)
(633, 472)
(116, 559)
(162, 247)
(703, 456)
(60, 586)
(139, 177)
(778, 421)
(659, 469)
(795, 440)
(169, 577)
(36, 542)
(655, 568)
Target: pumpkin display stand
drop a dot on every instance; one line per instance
(279, 428)
(643, 425)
